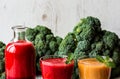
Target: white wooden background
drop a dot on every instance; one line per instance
(59, 15)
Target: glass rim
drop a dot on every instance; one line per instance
(52, 56)
(82, 58)
(19, 28)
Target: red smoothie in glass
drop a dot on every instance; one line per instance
(56, 68)
(20, 60)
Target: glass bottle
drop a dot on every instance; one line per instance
(19, 56)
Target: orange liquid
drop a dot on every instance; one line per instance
(90, 68)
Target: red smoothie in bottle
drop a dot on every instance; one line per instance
(56, 68)
(20, 60)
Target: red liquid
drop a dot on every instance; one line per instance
(20, 60)
(56, 69)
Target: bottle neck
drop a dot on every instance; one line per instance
(19, 33)
(20, 36)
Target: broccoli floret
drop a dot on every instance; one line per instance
(2, 52)
(59, 39)
(2, 48)
(50, 37)
(95, 22)
(94, 53)
(31, 34)
(110, 39)
(116, 56)
(87, 28)
(83, 45)
(40, 47)
(106, 52)
(86, 33)
(2, 65)
(2, 75)
(1, 44)
(97, 48)
(53, 46)
(42, 29)
(39, 37)
(2, 62)
(49, 52)
(79, 54)
(44, 41)
(68, 44)
(99, 45)
(40, 44)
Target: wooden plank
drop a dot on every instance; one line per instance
(59, 15)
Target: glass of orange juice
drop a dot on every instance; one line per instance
(91, 68)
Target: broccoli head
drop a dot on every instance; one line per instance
(68, 44)
(59, 39)
(42, 29)
(97, 48)
(50, 37)
(44, 41)
(110, 39)
(93, 41)
(31, 34)
(116, 56)
(87, 28)
(53, 46)
(83, 45)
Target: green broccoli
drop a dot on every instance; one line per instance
(100, 42)
(2, 75)
(50, 37)
(44, 42)
(31, 34)
(89, 41)
(94, 53)
(2, 48)
(97, 48)
(68, 44)
(87, 28)
(86, 40)
(83, 45)
(110, 39)
(53, 46)
(2, 61)
(1, 44)
(42, 29)
(106, 52)
(116, 56)
(2, 65)
(59, 39)
(2, 52)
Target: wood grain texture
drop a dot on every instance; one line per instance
(59, 15)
